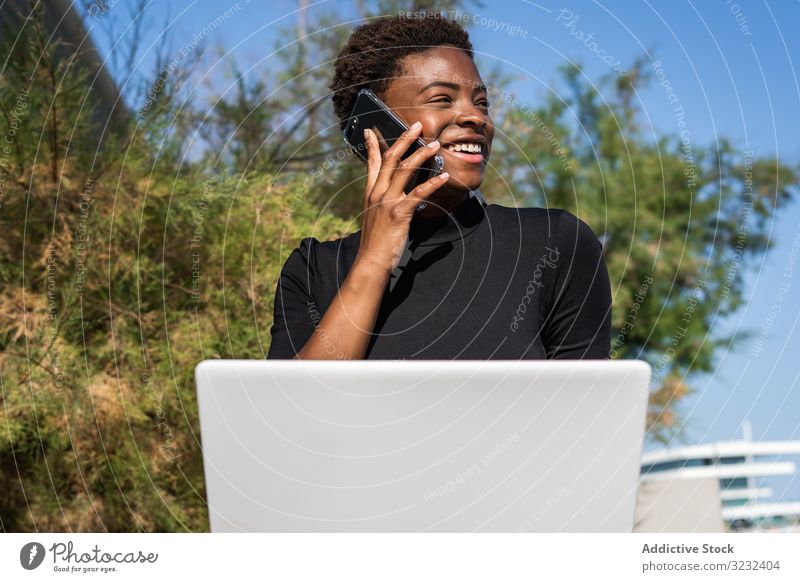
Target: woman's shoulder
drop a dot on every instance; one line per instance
(555, 222)
(526, 212)
(311, 250)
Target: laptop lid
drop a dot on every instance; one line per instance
(423, 445)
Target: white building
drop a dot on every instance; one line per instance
(738, 465)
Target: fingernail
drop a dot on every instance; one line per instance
(433, 144)
(444, 176)
(416, 125)
(366, 134)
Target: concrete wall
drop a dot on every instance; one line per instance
(679, 506)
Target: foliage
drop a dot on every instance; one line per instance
(115, 280)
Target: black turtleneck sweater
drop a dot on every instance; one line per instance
(482, 283)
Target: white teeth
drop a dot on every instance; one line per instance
(474, 148)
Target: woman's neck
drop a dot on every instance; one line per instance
(437, 208)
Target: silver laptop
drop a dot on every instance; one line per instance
(423, 445)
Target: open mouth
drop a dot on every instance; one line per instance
(470, 152)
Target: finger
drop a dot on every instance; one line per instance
(373, 160)
(423, 191)
(391, 157)
(406, 168)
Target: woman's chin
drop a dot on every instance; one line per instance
(464, 176)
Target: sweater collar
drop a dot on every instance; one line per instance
(456, 224)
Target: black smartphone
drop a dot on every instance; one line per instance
(369, 111)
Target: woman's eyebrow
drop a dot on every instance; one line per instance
(451, 85)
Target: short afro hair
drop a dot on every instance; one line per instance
(371, 57)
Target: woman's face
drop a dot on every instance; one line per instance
(443, 90)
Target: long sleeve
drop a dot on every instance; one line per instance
(578, 322)
(295, 310)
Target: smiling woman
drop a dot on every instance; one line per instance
(459, 279)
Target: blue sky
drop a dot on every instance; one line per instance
(732, 66)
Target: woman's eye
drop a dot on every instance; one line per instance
(481, 103)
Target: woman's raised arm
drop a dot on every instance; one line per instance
(345, 329)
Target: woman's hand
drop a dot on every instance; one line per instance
(387, 208)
